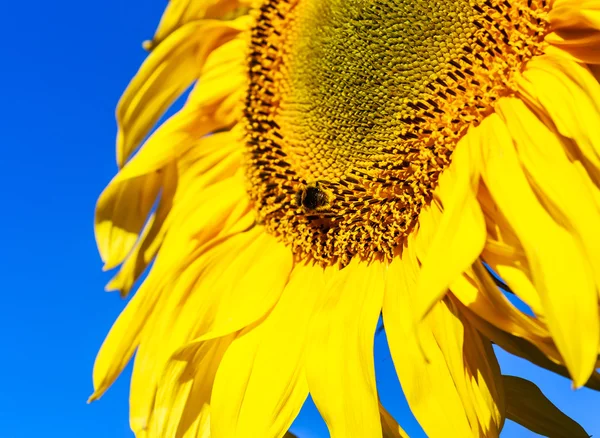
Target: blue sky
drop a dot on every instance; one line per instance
(65, 65)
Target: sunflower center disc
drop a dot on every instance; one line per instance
(355, 106)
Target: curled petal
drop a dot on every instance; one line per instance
(528, 406)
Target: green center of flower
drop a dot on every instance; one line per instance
(357, 67)
(355, 106)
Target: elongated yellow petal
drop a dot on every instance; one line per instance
(440, 386)
(569, 95)
(124, 205)
(202, 175)
(543, 355)
(166, 73)
(504, 253)
(542, 156)
(221, 201)
(146, 247)
(187, 193)
(557, 263)
(122, 340)
(220, 292)
(198, 118)
(514, 270)
(430, 392)
(477, 291)
(261, 383)
(213, 159)
(473, 367)
(180, 12)
(217, 211)
(528, 406)
(173, 138)
(236, 295)
(339, 367)
(206, 154)
(211, 106)
(223, 75)
(576, 29)
(567, 13)
(185, 387)
(117, 227)
(459, 234)
(159, 341)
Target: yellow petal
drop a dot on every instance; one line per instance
(504, 253)
(569, 95)
(440, 388)
(121, 341)
(173, 138)
(180, 12)
(213, 159)
(201, 175)
(159, 344)
(198, 233)
(207, 153)
(146, 247)
(211, 106)
(557, 263)
(234, 296)
(459, 234)
(477, 291)
(511, 265)
(467, 354)
(166, 73)
(216, 212)
(543, 157)
(220, 291)
(123, 206)
(185, 386)
(339, 363)
(121, 212)
(200, 116)
(528, 406)
(223, 73)
(125, 203)
(543, 355)
(221, 201)
(261, 384)
(567, 13)
(576, 29)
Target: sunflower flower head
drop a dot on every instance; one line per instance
(356, 107)
(340, 160)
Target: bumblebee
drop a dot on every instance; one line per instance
(313, 197)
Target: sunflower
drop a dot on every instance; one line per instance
(338, 160)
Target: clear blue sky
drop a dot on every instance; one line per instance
(64, 66)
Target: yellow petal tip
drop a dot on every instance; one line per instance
(148, 45)
(95, 396)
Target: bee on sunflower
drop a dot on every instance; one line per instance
(341, 159)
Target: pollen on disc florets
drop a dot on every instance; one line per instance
(354, 108)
